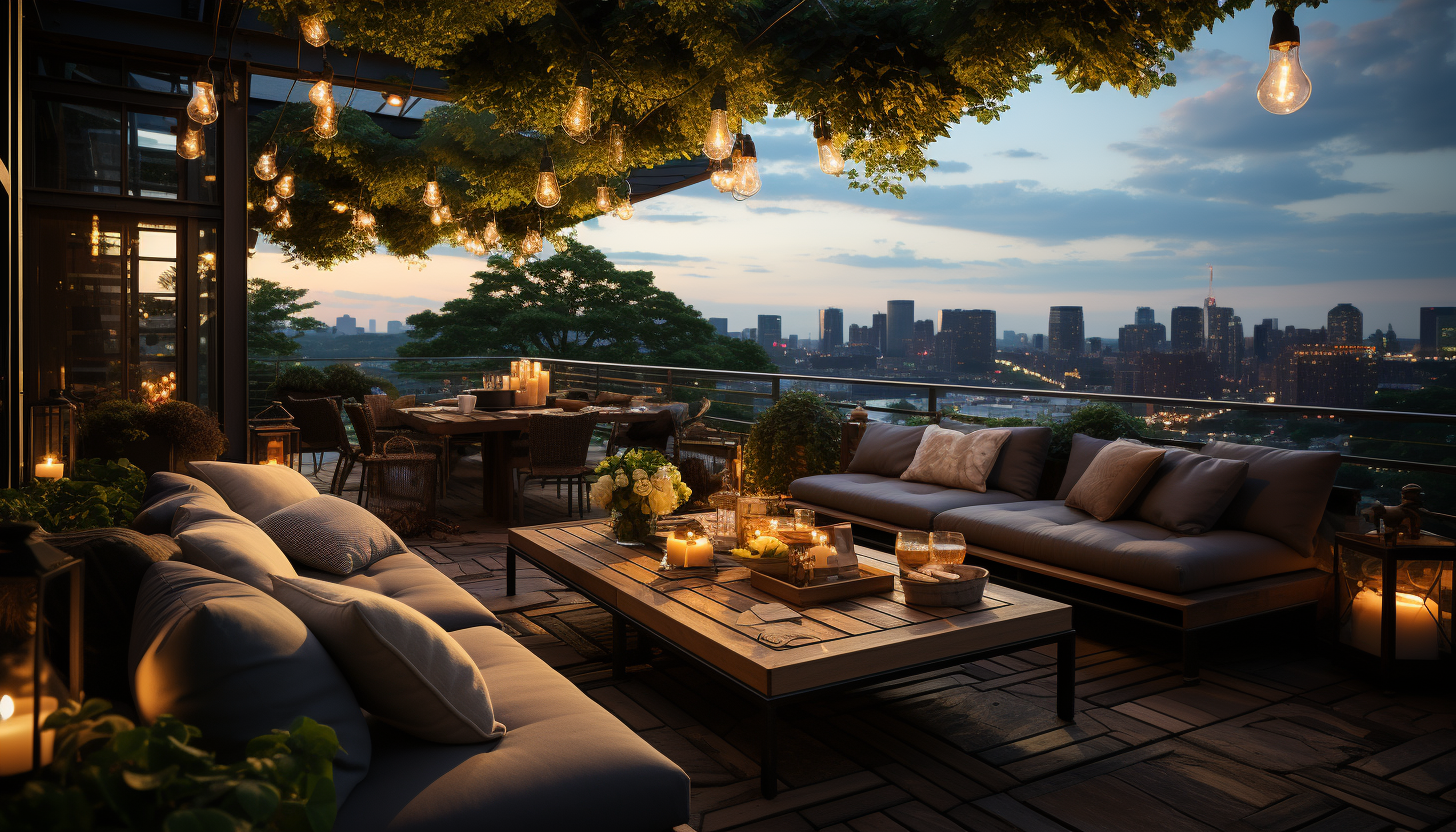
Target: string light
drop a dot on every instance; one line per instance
(191, 145)
(745, 170)
(1285, 87)
(283, 219)
(830, 159)
(625, 209)
(617, 145)
(392, 99)
(440, 215)
(718, 141)
(491, 236)
(548, 190)
(325, 121)
(518, 261)
(313, 30)
(322, 91)
(721, 176)
(576, 119)
(340, 207)
(363, 221)
(266, 168)
(285, 185)
(271, 204)
(203, 106)
(431, 196)
(604, 198)
(532, 244)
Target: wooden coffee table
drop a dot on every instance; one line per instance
(849, 643)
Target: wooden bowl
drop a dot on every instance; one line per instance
(777, 567)
(957, 594)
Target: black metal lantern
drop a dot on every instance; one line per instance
(273, 439)
(1395, 604)
(53, 445)
(30, 689)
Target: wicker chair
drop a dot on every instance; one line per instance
(320, 429)
(557, 448)
(386, 424)
(371, 444)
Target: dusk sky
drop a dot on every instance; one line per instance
(1100, 200)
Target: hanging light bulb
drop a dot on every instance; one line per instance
(313, 30)
(285, 185)
(604, 198)
(440, 216)
(721, 176)
(462, 236)
(625, 209)
(432, 196)
(266, 168)
(518, 260)
(1284, 87)
(392, 99)
(203, 106)
(745, 170)
(617, 145)
(548, 190)
(718, 142)
(340, 207)
(272, 204)
(191, 145)
(576, 119)
(474, 246)
(322, 91)
(491, 235)
(363, 221)
(830, 160)
(532, 244)
(326, 121)
(282, 219)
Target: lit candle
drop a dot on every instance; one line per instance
(821, 551)
(545, 385)
(1416, 636)
(691, 550)
(50, 469)
(17, 731)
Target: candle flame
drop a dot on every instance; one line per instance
(7, 707)
(50, 460)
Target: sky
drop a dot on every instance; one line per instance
(1098, 199)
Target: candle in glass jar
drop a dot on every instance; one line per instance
(17, 732)
(1416, 635)
(690, 550)
(50, 469)
(821, 550)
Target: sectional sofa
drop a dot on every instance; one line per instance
(1249, 548)
(193, 589)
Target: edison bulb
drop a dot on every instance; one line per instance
(576, 119)
(282, 219)
(718, 141)
(191, 145)
(284, 187)
(313, 30)
(440, 215)
(431, 196)
(203, 106)
(604, 198)
(393, 99)
(722, 177)
(266, 168)
(830, 159)
(548, 190)
(617, 145)
(491, 235)
(363, 220)
(625, 210)
(322, 91)
(1284, 87)
(325, 121)
(532, 244)
(518, 261)
(745, 171)
(271, 204)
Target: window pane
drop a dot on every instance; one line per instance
(152, 150)
(158, 80)
(205, 305)
(156, 321)
(81, 291)
(91, 71)
(78, 148)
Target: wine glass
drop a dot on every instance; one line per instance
(912, 550)
(947, 548)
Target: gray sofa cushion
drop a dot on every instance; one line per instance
(331, 534)
(407, 578)
(1284, 495)
(565, 764)
(889, 499)
(885, 449)
(165, 493)
(1129, 551)
(1190, 491)
(212, 536)
(1084, 450)
(223, 656)
(1018, 468)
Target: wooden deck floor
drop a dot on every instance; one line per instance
(1276, 737)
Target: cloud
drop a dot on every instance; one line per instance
(1142, 151)
(701, 276)
(648, 257)
(650, 217)
(410, 300)
(1153, 252)
(1205, 63)
(952, 167)
(1268, 181)
(773, 209)
(757, 269)
(1019, 153)
(898, 258)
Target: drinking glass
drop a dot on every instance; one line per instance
(803, 519)
(912, 550)
(947, 548)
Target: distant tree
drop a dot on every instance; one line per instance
(273, 307)
(577, 305)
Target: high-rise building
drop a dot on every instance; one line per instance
(1345, 324)
(1065, 331)
(1219, 344)
(750, 333)
(1144, 316)
(967, 340)
(922, 339)
(861, 336)
(770, 330)
(1187, 326)
(394, 328)
(1136, 338)
(793, 342)
(346, 324)
(1038, 342)
(1178, 375)
(371, 327)
(720, 325)
(1267, 339)
(899, 326)
(880, 332)
(831, 329)
(1008, 337)
(1209, 303)
(1327, 375)
(1438, 330)
(1094, 346)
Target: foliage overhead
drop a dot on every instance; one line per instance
(577, 305)
(797, 437)
(271, 308)
(891, 77)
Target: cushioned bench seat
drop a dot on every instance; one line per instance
(1130, 551)
(564, 763)
(890, 499)
(410, 580)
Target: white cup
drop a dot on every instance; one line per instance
(466, 403)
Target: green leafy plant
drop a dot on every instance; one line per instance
(192, 431)
(300, 378)
(100, 493)
(110, 773)
(335, 380)
(797, 437)
(107, 428)
(1101, 420)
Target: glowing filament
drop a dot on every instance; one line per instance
(548, 190)
(203, 106)
(363, 221)
(284, 187)
(431, 196)
(532, 244)
(604, 198)
(313, 30)
(745, 171)
(266, 168)
(491, 235)
(271, 204)
(625, 209)
(283, 219)
(617, 145)
(325, 121)
(576, 119)
(718, 141)
(191, 145)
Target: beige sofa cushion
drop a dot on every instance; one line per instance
(407, 578)
(1019, 466)
(889, 499)
(955, 459)
(1084, 450)
(1115, 479)
(213, 537)
(255, 491)
(1190, 491)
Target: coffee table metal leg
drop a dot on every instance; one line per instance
(619, 646)
(768, 778)
(1067, 676)
(510, 570)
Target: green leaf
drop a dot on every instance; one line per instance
(204, 820)
(258, 800)
(147, 780)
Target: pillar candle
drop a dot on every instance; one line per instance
(50, 469)
(1416, 635)
(691, 550)
(545, 385)
(17, 729)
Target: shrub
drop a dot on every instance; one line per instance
(797, 437)
(300, 378)
(107, 428)
(192, 431)
(335, 380)
(99, 494)
(1101, 420)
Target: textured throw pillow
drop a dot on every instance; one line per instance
(215, 538)
(1084, 450)
(1284, 495)
(1190, 491)
(232, 661)
(331, 535)
(1115, 479)
(255, 491)
(165, 493)
(404, 668)
(955, 459)
(885, 449)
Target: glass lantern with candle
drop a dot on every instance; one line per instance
(53, 444)
(30, 689)
(1395, 603)
(273, 439)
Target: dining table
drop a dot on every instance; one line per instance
(497, 429)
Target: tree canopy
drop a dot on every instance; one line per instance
(889, 76)
(577, 305)
(273, 307)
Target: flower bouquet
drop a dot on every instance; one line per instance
(637, 486)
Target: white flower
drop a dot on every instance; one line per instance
(639, 474)
(621, 480)
(605, 479)
(642, 488)
(601, 492)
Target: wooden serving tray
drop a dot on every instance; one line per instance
(872, 580)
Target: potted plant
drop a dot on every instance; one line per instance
(164, 437)
(99, 494)
(797, 437)
(637, 486)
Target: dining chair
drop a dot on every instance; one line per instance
(557, 446)
(320, 427)
(386, 424)
(372, 439)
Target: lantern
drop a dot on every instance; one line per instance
(53, 446)
(30, 690)
(1395, 603)
(272, 437)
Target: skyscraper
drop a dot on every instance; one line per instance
(1065, 331)
(859, 336)
(831, 329)
(770, 330)
(967, 340)
(719, 324)
(879, 327)
(1208, 304)
(1136, 338)
(1144, 316)
(346, 325)
(1438, 330)
(1266, 340)
(371, 326)
(1219, 345)
(1187, 324)
(922, 339)
(899, 326)
(1327, 375)
(394, 327)
(1346, 324)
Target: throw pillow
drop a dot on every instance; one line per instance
(212, 537)
(1018, 468)
(1115, 479)
(165, 493)
(255, 491)
(331, 535)
(1084, 450)
(1284, 495)
(232, 661)
(404, 668)
(885, 449)
(955, 459)
(1190, 491)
